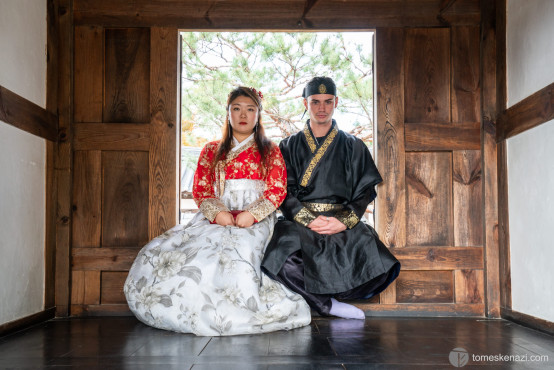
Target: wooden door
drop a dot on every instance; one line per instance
(125, 156)
(429, 209)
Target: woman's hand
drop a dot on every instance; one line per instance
(245, 219)
(225, 219)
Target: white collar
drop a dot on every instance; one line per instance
(237, 145)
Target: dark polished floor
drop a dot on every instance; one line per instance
(377, 343)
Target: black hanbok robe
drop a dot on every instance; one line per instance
(335, 177)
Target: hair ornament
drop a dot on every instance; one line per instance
(259, 93)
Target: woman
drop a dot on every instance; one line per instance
(204, 278)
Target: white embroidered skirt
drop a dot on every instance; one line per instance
(205, 279)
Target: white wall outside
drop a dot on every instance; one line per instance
(530, 51)
(22, 162)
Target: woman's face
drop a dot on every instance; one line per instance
(243, 115)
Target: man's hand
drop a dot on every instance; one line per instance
(225, 219)
(245, 219)
(326, 225)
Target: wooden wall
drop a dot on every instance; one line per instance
(432, 209)
(124, 156)
(429, 151)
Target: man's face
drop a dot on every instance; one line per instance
(321, 107)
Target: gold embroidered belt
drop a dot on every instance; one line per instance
(322, 207)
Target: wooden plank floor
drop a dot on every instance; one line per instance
(377, 343)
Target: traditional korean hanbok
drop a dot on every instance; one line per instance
(204, 278)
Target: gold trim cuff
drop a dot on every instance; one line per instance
(304, 217)
(348, 218)
(260, 208)
(211, 207)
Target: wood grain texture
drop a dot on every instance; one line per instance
(163, 182)
(112, 287)
(127, 75)
(468, 198)
(469, 286)
(88, 64)
(423, 310)
(440, 258)
(466, 86)
(51, 186)
(504, 228)
(111, 136)
(63, 154)
(95, 310)
(275, 14)
(85, 287)
(104, 259)
(427, 79)
(528, 113)
(429, 198)
(439, 136)
(388, 296)
(50, 230)
(27, 116)
(489, 157)
(124, 198)
(424, 287)
(87, 199)
(391, 194)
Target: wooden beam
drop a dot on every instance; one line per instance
(489, 158)
(27, 116)
(111, 136)
(438, 136)
(528, 113)
(391, 158)
(63, 154)
(104, 259)
(163, 184)
(504, 228)
(51, 194)
(274, 14)
(440, 258)
(422, 309)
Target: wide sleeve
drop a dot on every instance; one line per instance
(275, 187)
(291, 207)
(366, 176)
(203, 186)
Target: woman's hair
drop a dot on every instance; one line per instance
(262, 142)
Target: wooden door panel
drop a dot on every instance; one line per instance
(429, 126)
(127, 75)
(425, 287)
(89, 41)
(466, 88)
(124, 199)
(427, 84)
(87, 199)
(125, 161)
(469, 286)
(468, 200)
(112, 287)
(429, 198)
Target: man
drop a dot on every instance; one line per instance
(320, 249)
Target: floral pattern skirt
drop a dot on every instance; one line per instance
(205, 279)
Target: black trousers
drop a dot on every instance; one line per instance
(292, 276)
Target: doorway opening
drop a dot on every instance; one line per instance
(279, 64)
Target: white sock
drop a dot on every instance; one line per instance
(346, 311)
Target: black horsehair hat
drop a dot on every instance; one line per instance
(320, 85)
